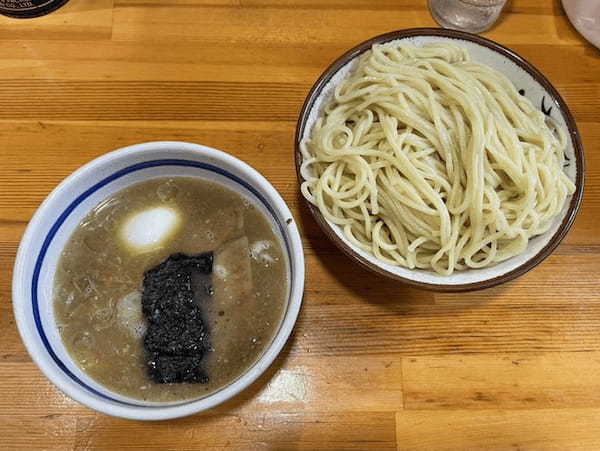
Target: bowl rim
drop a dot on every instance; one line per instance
(525, 65)
(21, 296)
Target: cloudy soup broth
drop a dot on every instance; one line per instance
(170, 289)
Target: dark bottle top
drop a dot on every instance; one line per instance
(29, 8)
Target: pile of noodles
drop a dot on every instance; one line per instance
(429, 160)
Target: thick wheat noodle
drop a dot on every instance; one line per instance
(429, 160)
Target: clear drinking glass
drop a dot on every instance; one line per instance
(473, 16)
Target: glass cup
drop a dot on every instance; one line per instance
(473, 16)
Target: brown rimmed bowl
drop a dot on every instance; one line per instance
(531, 83)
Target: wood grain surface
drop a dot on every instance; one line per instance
(372, 364)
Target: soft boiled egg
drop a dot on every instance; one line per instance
(150, 228)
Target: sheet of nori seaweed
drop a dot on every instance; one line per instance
(166, 369)
(176, 338)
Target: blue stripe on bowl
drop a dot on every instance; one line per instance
(65, 214)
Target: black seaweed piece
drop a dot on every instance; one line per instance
(177, 338)
(166, 369)
(171, 281)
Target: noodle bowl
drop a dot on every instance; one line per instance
(427, 159)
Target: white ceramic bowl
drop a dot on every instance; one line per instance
(585, 17)
(531, 84)
(63, 209)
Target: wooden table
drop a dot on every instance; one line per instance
(372, 364)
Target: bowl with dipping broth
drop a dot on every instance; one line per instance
(158, 280)
(384, 156)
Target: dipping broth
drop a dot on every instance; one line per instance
(98, 283)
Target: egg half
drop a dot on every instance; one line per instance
(150, 228)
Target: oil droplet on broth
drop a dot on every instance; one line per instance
(168, 191)
(83, 341)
